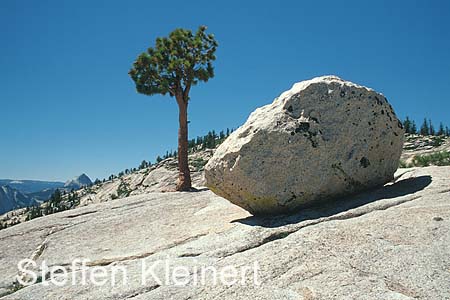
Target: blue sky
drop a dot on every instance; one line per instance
(68, 106)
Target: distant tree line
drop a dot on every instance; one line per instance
(427, 128)
(209, 141)
(59, 201)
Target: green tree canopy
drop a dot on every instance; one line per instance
(424, 129)
(175, 63)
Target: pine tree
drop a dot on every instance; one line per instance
(191, 144)
(447, 131)
(34, 212)
(431, 128)
(413, 127)
(54, 203)
(407, 125)
(199, 141)
(441, 129)
(56, 197)
(143, 165)
(211, 140)
(424, 129)
(174, 65)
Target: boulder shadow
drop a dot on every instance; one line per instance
(336, 206)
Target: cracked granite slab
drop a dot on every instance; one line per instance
(389, 243)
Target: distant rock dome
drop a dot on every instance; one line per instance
(78, 182)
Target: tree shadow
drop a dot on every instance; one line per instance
(326, 209)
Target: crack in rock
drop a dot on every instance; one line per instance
(396, 178)
(80, 214)
(339, 217)
(351, 214)
(37, 253)
(190, 254)
(142, 291)
(108, 261)
(102, 262)
(32, 231)
(399, 288)
(444, 191)
(127, 205)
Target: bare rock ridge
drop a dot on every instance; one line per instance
(389, 243)
(323, 138)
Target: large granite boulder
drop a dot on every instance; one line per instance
(323, 138)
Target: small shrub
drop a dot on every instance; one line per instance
(122, 190)
(403, 164)
(437, 141)
(199, 164)
(434, 159)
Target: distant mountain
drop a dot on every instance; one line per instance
(31, 186)
(22, 193)
(78, 182)
(11, 198)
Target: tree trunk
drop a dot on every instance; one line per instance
(184, 175)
